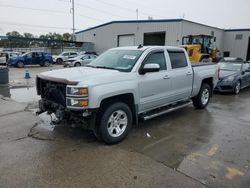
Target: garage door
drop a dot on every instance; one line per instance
(126, 40)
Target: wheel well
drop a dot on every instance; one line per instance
(125, 98)
(208, 81)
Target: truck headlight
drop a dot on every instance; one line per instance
(77, 103)
(76, 91)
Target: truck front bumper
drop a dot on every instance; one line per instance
(85, 118)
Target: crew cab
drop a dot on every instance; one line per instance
(31, 58)
(125, 85)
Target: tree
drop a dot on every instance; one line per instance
(13, 34)
(67, 36)
(28, 35)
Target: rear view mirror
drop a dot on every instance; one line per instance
(150, 68)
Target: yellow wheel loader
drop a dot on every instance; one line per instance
(199, 48)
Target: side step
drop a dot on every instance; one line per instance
(158, 112)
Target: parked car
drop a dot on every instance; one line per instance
(64, 56)
(231, 59)
(124, 85)
(233, 77)
(80, 60)
(6, 56)
(31, 58)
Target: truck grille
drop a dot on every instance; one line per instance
(52, 91)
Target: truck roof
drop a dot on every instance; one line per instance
(143, 48)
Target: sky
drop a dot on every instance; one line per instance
(43, 16)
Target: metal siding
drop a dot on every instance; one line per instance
(237, 48)
(106, 37)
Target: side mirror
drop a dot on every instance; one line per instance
(243, 72)
(150, 68)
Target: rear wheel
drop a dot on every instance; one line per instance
(115, 123)
(203, 98)
(20, 64)
(46, 63)
(237, 87)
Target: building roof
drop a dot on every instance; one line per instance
(158, 21)
(132, 21)
(235, 30)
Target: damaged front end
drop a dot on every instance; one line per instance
(69, 103)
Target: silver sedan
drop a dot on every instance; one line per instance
(80, 60)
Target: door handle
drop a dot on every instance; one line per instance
(189, 73)
(166, 77)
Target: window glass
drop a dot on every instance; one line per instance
(178, 59)
(65, 54)
(157, 58)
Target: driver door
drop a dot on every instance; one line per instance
(154, 87)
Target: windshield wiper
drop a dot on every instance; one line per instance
(104, 67)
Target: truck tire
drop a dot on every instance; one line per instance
(115, 123)
(202, 99)
(20, 64)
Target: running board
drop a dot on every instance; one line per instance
(164, 110)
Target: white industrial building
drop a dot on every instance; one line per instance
(231, 42)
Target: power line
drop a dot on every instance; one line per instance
(126, 9)
(103, 11)
(35, 9)
(38, 26)
(48, 10)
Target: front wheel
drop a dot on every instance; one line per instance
(202, 99)
(115, 123)
(59, 61)
(237, 88)
(77, 64)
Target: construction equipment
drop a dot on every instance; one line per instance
(199, 48)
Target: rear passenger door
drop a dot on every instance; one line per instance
(181, 75)
(154, 87)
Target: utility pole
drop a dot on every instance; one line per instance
(73, 17)
(137, 18)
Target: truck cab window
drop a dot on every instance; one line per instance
(178, 59)
(157, 58)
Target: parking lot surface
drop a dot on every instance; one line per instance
(185, 148)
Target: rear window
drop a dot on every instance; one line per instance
(178, 59)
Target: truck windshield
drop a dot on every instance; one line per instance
(122, 60)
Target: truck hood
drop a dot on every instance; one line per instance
(85, 76)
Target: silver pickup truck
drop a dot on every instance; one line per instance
(125, 85)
